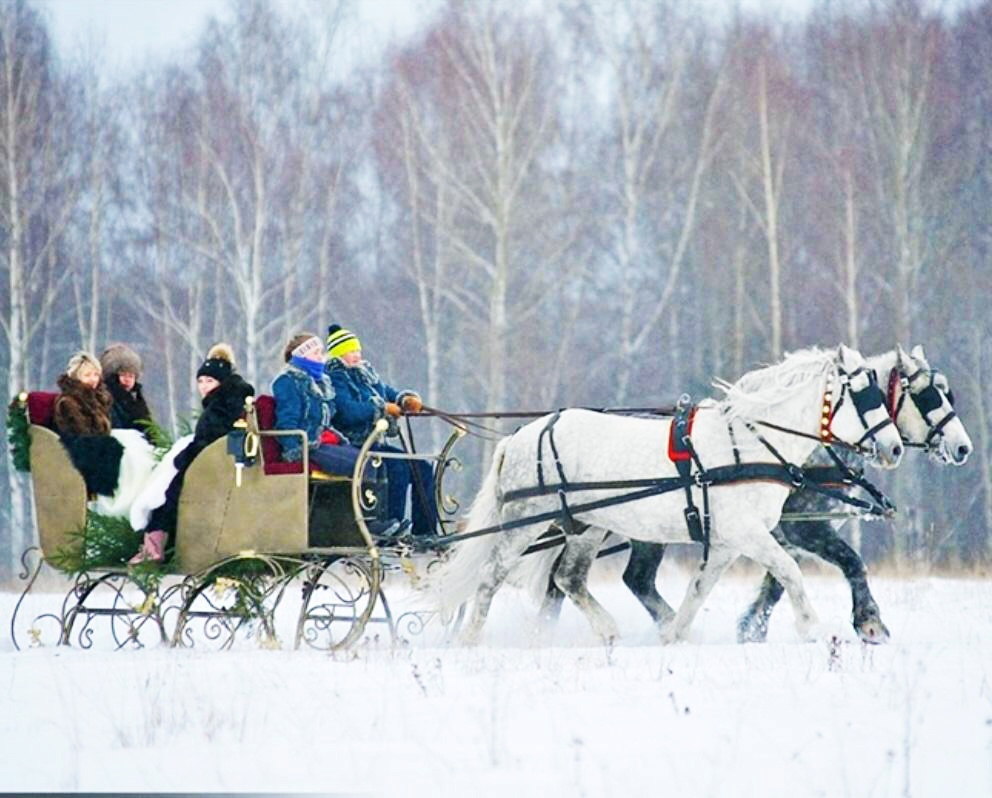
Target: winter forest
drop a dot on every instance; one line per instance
(528, 206)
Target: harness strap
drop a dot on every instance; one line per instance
(699, 528)
(818, 481)
(936, 428)
(733, 442)
(566, 514)
(796, 474)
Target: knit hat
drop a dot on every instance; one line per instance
(219, 363)
(341, 341)
(78, 360)
(120, 357)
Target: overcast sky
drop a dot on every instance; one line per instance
(129, 32)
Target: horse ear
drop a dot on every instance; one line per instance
(918, 353)
(847, 357)
(901, 354)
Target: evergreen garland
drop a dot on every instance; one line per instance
(157, 435)
(17, 434)
(105, 542)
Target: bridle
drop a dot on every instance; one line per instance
(926, 400)
(864, 399)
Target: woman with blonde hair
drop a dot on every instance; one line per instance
(83, 407)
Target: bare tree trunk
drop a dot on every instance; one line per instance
(771, 194)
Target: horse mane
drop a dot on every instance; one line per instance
(761, 390)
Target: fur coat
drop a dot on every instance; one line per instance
(224, 405)
(129, 406)
(81, 410)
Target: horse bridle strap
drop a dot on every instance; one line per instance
(863, 404)
(926, 401)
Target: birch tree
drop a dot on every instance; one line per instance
(476, 123)
(38, 196)
(767, 109)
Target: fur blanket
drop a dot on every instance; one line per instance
(136, 464)
(152, 493)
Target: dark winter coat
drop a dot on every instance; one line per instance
(82, 418)
(224, 405)
(360, 398)
(81, 410)
(129, 407)
(302, 403)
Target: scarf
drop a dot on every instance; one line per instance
(311, 367)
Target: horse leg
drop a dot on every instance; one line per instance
(640, 576)
(553, 595)
(767, 551)
(506, 552)
(571, 576)
(752, 626)
(707, 575)
(821, 539)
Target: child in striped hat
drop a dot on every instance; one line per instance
(361, 398)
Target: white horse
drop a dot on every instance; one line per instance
(919, 402)
(810, 392)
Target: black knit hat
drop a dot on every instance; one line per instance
(219, 363)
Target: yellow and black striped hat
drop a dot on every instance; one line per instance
(341, 341)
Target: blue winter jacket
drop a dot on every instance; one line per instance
(360, 398)
(302, 403)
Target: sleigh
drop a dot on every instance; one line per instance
(261, 545)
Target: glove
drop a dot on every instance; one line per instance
(393, 409)
(412, 404)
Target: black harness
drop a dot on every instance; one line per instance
(819, 479)
(926, 400)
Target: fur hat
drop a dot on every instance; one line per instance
(78, 360)
(341, 341)
(219, 363)
(120, 357)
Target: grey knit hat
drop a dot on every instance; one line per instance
(120, 357)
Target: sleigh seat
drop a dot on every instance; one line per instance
(59, 490)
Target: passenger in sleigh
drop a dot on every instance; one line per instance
(223, 393)
(361, 399)
(121, 370)
(305, 400)
(114, 463)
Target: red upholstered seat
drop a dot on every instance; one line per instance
(41, 408)
(265, 408)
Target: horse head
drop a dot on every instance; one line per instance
(854, 410)
(929, 418)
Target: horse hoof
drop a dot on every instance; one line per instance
(752, 629)
(872, 630)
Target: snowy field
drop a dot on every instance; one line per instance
(522, 717)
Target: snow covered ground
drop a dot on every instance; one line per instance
(518, 716)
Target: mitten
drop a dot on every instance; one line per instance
(412, 403)
(393, 409)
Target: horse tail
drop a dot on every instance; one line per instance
(532, 573)
(457, 578)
